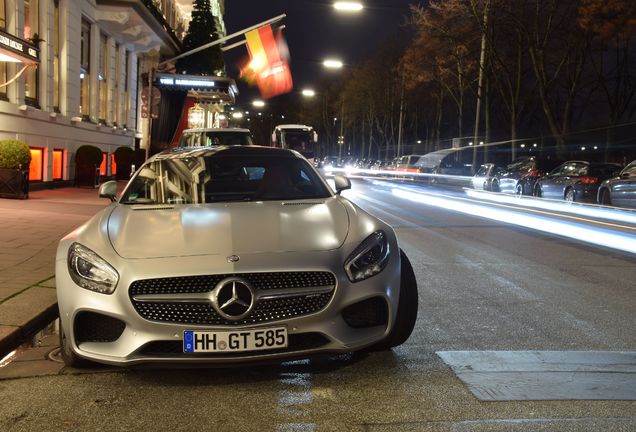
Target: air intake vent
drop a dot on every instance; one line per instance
(94, 327)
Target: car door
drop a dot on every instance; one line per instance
(623, 192)
(572, 171)
(548, 183)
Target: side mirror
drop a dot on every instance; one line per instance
(342, 183)
(108, 190)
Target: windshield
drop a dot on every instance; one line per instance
(217, 178)
(215, 138)
(300, 141)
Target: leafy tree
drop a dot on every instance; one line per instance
(203, 29)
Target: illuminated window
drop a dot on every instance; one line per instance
(113, 165)
(103, 77)
(56, 55)
(104, 165)
(58, 164)
(31, 32)
(85, 76)
(37, 164)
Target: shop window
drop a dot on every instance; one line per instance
(113, 165)
(36, 169)
(58, 164)
(104, 166)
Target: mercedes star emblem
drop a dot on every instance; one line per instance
(233, 298)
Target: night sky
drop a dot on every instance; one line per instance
(314, 32)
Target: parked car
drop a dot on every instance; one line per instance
(520, 176)
(482, 180)
(620, 191)
(211, 137)
(575, 180)
(408, 163)
(193, 265)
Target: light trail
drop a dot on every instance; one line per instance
(592, 235)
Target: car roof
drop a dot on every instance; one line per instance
(293, 126)
(216, 130)
(247, 151)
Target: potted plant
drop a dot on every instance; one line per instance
(15, 158)
(87, 159)
(124, 157)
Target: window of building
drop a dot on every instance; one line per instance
(56, 55)
(103, 167)
(36, 168)
(126, 114)
(31, 32)
(116, 110)
(85, 76)
(3, 23)
(103, 77)
(58, 164)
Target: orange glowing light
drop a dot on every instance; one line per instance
(58, 164)
(35, 168)
(103, 166)
(113, 165)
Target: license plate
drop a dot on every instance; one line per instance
(195, 341)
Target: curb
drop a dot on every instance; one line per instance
(22, 334)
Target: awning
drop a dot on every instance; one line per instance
(16, 50)
(205, 88)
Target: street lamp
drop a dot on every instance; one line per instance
(348, 6)
(237, 115)
(309, 93)
(258, 103)
(332, 64)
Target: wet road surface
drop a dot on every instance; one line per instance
(484, 286)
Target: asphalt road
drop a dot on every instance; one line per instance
(484, 285)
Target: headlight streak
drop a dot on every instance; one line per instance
(580, 209)
(90, 271)
(592, 235)
(401, 174)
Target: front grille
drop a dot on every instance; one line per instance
(296, 342)
(202, 284)
(94, 327)
(202, 312)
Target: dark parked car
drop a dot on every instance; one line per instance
(520, 176)
(575, 180)
(621, 190)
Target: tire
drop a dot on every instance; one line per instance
(605, 199)
(494, 186)
(519, 189)
(538, 192)
(70, 358)
(407, 308)
(570, 195)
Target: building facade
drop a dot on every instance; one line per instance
(86, 87)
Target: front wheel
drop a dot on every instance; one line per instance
(70, 358)
(406, 314)
(569, 196)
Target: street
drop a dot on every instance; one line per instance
(484, 286)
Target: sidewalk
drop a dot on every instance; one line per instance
(29, 233)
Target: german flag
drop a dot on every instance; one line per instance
(269, 66)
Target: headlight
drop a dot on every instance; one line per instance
(369, 258)
(90, 271)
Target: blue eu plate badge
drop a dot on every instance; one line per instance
(188, 341)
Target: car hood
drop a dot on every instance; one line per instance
(144, 231)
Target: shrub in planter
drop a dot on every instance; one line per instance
(88, 158)
(15, 158)
(124, 158)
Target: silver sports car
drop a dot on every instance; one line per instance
(226, 255)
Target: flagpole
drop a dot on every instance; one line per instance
(222, 40)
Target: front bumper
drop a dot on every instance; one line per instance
(321, 332)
